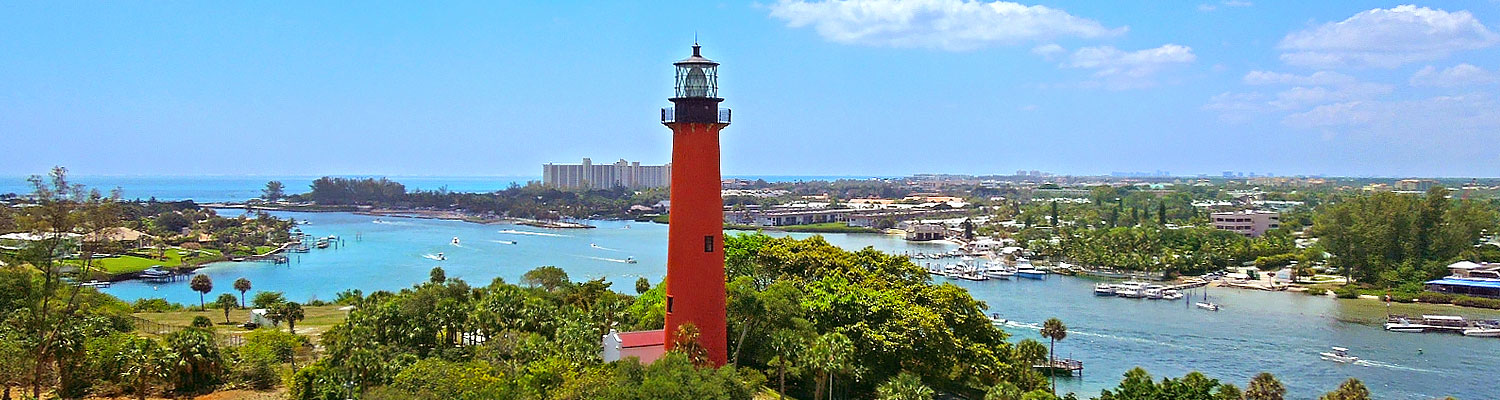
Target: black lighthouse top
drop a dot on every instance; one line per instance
(697, 76)
(696, 96)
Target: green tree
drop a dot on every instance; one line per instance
(904, 387)
(1161, 213)
(291, 312)
(198, 363)
(273, 191)
(266, 300)
(1054, 213)
(1264, 386)
(547, 277)
(1004, 391)
(1351, 389)
(1054, 330)
(437, 275)
(200, 321)
(143, 363)
(242, 285)
(642, 285)
(201, 284)
(227, 302)
(830, 355)
(1228, 392)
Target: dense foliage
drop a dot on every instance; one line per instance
(1389, 239)
(530, 201)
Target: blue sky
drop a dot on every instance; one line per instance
(818, 88)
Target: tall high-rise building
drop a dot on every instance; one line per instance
(631, 175)
(695, 237)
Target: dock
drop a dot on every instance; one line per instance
(1066, 366)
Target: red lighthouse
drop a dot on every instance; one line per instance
(695, 250)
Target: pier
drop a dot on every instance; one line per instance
(1066, 366)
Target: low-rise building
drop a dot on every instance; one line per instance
(926, 231)
(1250, 223)
(644, 345)
(1418, 185)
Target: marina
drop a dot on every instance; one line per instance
(1278, 332)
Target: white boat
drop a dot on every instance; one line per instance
(1338, 355)
(1207, 306)
(998, 271)
(1483, 329)
(1130, 290)
(1030, 273)
(1402, 324)
(1152, 293)
(630, 260)
(1104, 289)
(995, 319)
(455, 241)
(1171, 294)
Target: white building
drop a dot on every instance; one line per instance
(1250, 223)
(644, 345)
(622, 173)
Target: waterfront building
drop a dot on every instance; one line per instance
(626, 174)
(925, 231)
(1482, 287)
(1250, 223)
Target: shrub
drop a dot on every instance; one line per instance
(1435, 297)
(1316, 291)
(1471, 301)
(1403, 297)
(154, 305)
(1346, 293)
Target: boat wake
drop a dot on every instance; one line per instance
(603, 248)
(608, 259)
(1373, 363)
(504, 241)
(516, 232)
(1071, 331)
(434, 257)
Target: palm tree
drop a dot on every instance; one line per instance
(292, 312)
(242, 285)
(1264, 386)
(905, 386)
(1053, 330)
(202, 284)
(226, 301)
(1351, 389)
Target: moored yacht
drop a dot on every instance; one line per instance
(1400, 323)
(1171, 294)
(1104, 289)
(1484, 329)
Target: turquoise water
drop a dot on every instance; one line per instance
(1257, 331)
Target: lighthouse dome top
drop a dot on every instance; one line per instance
(696, 58)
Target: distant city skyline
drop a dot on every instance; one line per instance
(857, 88)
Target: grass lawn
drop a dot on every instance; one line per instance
(318, 319)
(139, 261)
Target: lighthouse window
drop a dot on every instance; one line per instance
(669, 304)
(708, 244)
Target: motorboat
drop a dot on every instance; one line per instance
(999, 271)
(630, 260)
(995, 319)
(1130, 290)
(1030, 273)
(455, 241)
(1104, 289)
(1153, 293)
(1338, 355)
(1171, 294)
(1484, 329)
(1398, 323)
(1207, 306)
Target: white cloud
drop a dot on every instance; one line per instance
(953, 25)
(1316, 79)
(1301, 97)
(1108, 61)
(1049, 50)
(1237, 107)
(1429, 118)
(1227, 3)
(1119, 69)
(1387, 38)
(1455, 76)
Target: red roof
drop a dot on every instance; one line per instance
(643, 338)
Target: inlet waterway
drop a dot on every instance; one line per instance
(1281, 333)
